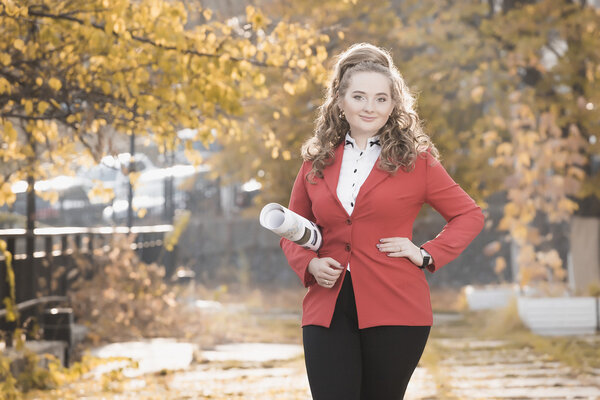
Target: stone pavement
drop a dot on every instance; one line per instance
(459, 365)
(456, 365)
(489, 369)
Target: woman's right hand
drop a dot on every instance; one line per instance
(326, 271)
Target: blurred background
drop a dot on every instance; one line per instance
(140, 139)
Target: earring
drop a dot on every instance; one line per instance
(342, 115)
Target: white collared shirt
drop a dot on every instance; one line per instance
(356, 167)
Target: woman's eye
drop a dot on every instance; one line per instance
(382, 99)
(358, 97)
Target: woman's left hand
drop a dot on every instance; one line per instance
(401, 247)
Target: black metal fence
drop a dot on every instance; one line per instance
(44, 264)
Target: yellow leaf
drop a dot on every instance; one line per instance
(341, 35)
(100, 194)
(256, 18)
(500, 265)
(6, 194)
(490, 137)
(568, 205)
(28, 107)
(133, 177)
(250, 11)
(504, 149)
(259, 79)
(477, 94)
(42, 107)
(492, 248)
(499, 122)
(519, 233)
(5, 59)
(10, 132)
(289, 88)
(276, 115)
(207, 13)
(560, 274)
(321, 53)
(577, 172)
(19, 44)
(524, 159)
(302, 84)
(55, 84)
(4, 85)
(511, 210)
(286, 155)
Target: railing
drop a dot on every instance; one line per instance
(44, 265)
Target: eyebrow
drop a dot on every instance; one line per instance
(376, 94)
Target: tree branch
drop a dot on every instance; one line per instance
(145, 40)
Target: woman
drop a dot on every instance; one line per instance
(367, 170)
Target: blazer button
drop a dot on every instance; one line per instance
(348, 247)
(349, 221)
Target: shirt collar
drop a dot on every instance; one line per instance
(372, 141)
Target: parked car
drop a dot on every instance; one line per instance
(150, 189)
(60, 201)
(112, 171)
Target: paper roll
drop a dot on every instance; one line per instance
(290, 225)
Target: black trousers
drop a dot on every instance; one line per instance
(347, 363)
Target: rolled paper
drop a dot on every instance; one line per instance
(290, 225)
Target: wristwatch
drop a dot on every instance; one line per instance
(426, 258)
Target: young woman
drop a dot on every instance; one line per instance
(367, 170)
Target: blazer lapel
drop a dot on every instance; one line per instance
(376, 176)
(331, 173)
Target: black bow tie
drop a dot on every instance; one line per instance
(348, 142)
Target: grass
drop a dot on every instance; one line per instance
(247, 315)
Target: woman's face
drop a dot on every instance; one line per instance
(367, 103)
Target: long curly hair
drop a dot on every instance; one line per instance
(402, 137)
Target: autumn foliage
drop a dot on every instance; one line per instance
(507, 89)
(72, 72)
(119, 297)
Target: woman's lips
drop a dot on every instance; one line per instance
(368, 119)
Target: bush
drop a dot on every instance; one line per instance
(121, 298)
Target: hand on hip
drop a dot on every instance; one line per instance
(401, 247)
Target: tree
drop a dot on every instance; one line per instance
(552, 58)
(269, 147)
(508, 90)
(427, 40)
(72, 71)
(515, 90)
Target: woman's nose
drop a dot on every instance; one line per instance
(368, 105)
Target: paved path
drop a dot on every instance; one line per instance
(474, 369)
(463, 366)
(456, 365)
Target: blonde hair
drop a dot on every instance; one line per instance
(402, 137)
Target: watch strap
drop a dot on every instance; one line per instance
(426, 258)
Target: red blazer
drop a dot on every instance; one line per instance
(388, 290)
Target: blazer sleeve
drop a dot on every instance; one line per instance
(298, 257)
(463, 216)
